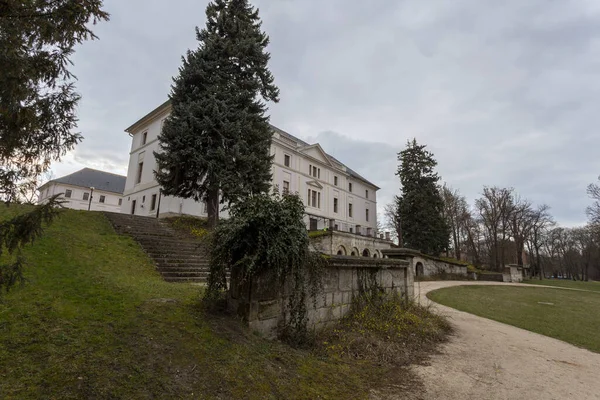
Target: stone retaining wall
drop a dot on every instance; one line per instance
(264, 307)
(424, 265)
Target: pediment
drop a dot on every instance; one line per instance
(316, 151)
(314, 184)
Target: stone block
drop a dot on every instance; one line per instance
(269, 309)
(325, 314)
(338, 298)
(345, 279)
(385, 278)
(337, 313)
(330, 279)
(347, 297)
(345, 309)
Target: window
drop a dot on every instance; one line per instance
(350, 210)
(350, 187)
(204, 208)
(143, 199)
(144, 138)
(68, 193)
(367, 214)
(139, 172)
(153, 202)
(120, 201)
(102, 198)
(286, 160)
(335, 205)
(314, 198)
(367, 194)
(86, 196)
(351, 230)
(286, 187)
(335, 180)
(314, 171)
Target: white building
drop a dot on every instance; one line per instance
(86, 189)
(334, 195)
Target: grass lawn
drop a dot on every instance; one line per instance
(566, 283)
(573, 316)
(96, 321)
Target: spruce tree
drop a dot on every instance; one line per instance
(215, 145)
(420, 205)
(38, 106)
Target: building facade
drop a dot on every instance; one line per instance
(335, 196)
(86, 189)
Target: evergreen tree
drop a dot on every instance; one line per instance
(215, 145)
(37, 107)
(420, 206)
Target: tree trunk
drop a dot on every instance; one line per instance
(520, 248)
(212, 205)
(539, 264)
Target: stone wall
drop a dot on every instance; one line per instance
(494, 277)
(424, 265)
(513, 273)
(263, 306)
(349, 244)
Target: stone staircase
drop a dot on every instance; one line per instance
(177, 256)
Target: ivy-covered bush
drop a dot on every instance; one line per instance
(266, 234)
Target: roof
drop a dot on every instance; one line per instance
(99, 180)
(302, 143)
(167, 105)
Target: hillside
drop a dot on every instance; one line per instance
(96, 321)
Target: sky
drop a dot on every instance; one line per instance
(503, 93)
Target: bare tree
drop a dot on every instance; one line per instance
(541, 222)
(495, 208)
(456, 211)
(593, 211)
(521, 224)
(392, 221)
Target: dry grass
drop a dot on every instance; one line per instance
(386, 332)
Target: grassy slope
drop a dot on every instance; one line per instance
(90, 324)
(566, 283)
(574, 316)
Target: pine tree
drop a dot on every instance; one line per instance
(215, 145)
(420, 206)
(37, 108)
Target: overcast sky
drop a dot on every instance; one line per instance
(504, 93)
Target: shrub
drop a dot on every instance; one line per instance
(267, 234)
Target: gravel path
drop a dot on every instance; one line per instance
(486, 359)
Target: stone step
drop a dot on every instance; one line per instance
(170, 254)
(186, 279)
(178, 257)
(176, 274)
(166, 265)
(162, 268)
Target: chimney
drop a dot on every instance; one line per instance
(387, 236)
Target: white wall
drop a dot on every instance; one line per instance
(76, 202)
(297, 174)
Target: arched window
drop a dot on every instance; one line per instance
(366, 253)
(419, 269)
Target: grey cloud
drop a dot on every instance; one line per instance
(504, 93)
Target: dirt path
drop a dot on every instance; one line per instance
(489, 360)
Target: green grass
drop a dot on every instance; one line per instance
(566, 283)
(573, 316)
(96, 321)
